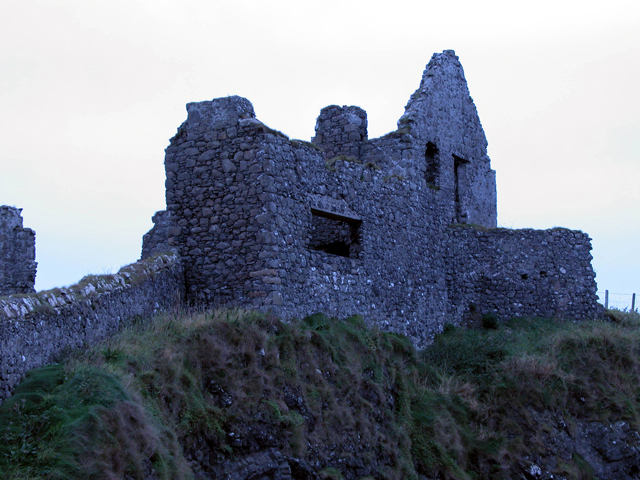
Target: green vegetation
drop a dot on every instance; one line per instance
(272, 131)
(475, 226)
(394, 176)
(296, 143)
(228, 383)
(400, 132)
(372, 166)
(331, 162)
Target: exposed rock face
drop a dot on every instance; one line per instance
(351, 225)
(269, 464)
(611, 451)
(17, 253)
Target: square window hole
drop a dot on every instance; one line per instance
(335, 235)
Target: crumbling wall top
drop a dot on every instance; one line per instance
(220, 112)
(17, 253)
(341, 130)
(10, 217)
(442, 110)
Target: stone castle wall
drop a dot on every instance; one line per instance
(348, 224)
(17, 253)
(156, 240)
(37, 329)
(246, 198)
(341, 131)
(511, 273)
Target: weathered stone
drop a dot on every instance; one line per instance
(228, 166)
(36, 329)
(17, 253)
(158, 239)
(349, 224)
(263, 273)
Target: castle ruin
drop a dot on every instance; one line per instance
(401, 228)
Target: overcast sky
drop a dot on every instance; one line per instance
(91, 92)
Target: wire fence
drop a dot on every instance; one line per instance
(626, 302)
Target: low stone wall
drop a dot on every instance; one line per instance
(37, 329)
(524, 272)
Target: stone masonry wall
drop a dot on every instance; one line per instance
(243, 197)
(255, 215)
(397, 280)
(442, 112)
(156, 240)
(17, 253)
(37, 329)
(511, 273)
(341, 131)
(217, 193)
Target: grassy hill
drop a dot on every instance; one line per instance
(231, 394)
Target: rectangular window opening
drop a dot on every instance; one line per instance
(432, 162)
(335, 235)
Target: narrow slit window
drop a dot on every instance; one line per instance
(335, 235)
(459, 188)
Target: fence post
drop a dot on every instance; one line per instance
(606, 299)
(633, 302)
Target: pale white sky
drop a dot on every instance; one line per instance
(91, 92)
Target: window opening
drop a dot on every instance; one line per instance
(335, 234)
(433, 164)
(458, 166)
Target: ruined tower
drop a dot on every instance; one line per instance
(17, 253)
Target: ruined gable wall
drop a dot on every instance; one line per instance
(17, 253)
(442, 112)
(524, 272)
